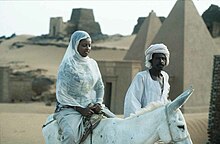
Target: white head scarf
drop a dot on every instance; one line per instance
(156, 48)
(71, 51)
(76, 75)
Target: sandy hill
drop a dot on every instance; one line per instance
(20, 53)
(30, 56)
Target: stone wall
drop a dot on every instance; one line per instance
(25, 86)
(214, 108)
(117, 76)
(21, 89)
(4, 84)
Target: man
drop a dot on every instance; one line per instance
(150, 85)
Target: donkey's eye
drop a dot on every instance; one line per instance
(181, 127)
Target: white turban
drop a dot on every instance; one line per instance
(156, 48)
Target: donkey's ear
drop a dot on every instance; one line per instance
(180, 100)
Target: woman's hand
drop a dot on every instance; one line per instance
(96, 108)
(85, 111)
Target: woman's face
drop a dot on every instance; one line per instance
(84, 47)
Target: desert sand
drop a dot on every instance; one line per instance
(20, 123)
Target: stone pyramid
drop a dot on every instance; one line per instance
(192, 48)
(144, 37)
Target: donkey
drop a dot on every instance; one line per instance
(157, 121)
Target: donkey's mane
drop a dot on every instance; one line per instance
(150, 107)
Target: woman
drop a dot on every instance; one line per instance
(79, 84)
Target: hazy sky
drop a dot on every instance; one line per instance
(114, 17)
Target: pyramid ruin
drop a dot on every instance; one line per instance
(81, 19)
(192, 48)
(143, 39)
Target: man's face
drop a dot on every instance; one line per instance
(158, 61)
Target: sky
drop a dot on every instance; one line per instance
(114, 16)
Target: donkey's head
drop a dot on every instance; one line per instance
(175, 127)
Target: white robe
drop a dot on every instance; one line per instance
(144, 90)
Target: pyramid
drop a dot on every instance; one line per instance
(144, 37)
(192, 48)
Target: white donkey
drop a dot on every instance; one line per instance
(160, 122)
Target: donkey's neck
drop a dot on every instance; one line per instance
(146, 125)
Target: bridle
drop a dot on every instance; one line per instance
(172, 139)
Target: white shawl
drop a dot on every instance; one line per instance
(79, 80)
